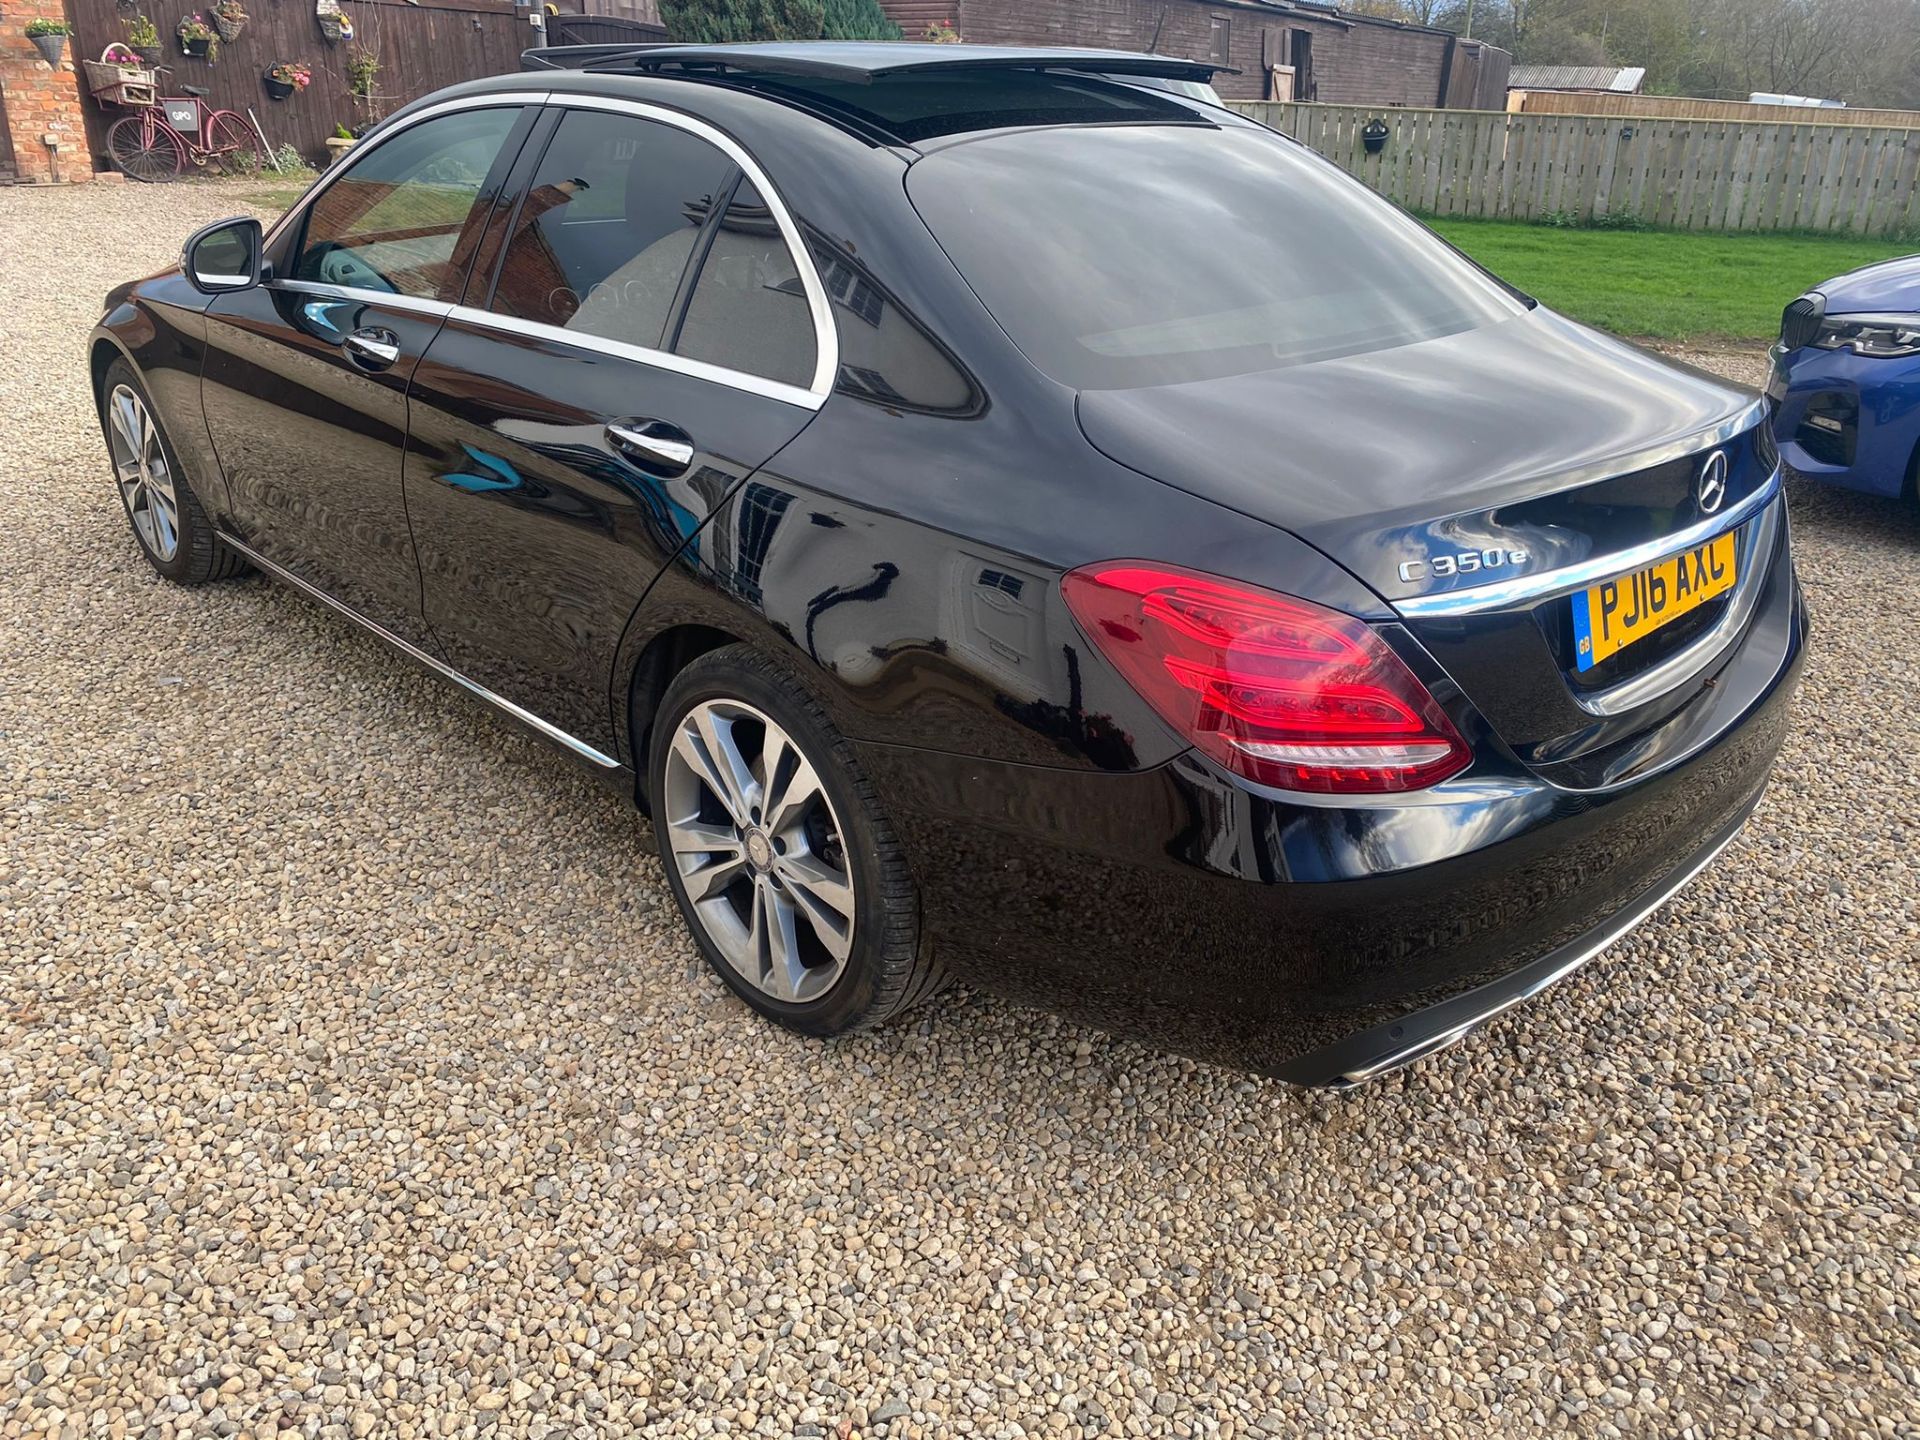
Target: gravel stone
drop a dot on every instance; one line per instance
(356, 1078)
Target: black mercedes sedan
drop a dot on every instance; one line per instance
(1004, 520)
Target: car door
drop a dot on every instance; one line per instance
(649, 338)
(305, 382)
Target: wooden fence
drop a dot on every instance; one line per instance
(421, 47)
(1685, 107)
(1688, 174)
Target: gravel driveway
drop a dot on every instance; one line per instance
(356, 1078)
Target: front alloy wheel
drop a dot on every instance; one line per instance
(759, 850)
(167, 519)
(146, 479)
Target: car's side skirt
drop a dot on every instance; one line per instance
(570, 743)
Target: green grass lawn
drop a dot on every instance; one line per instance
(1672, 285)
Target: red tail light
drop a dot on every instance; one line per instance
(1283, 692)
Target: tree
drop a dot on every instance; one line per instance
(1866, 52)
(720, 22)
(858, 20)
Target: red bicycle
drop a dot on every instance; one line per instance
(156, 142)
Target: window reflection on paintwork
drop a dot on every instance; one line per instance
(391, 222)
(608, 226)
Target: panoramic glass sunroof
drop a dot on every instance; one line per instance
(923, 106)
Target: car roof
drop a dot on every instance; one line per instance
(902, 96)
(860, 61)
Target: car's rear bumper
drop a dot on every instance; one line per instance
(1385, 1048)
(1292, 936)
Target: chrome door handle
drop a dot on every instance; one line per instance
(374, 349)
(653, 445)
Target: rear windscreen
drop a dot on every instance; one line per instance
(1151, 255)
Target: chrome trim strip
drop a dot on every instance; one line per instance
(414, 652)
(826, 338)
(1616, 932)
(1525, 589)
(1757, 540)
(658, 359)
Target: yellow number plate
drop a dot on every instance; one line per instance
(1613, 614)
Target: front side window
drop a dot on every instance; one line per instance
(391, 222)
(748, 311)
(1154, 255)
(609, 226)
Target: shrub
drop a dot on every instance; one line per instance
(858, 20)
(719, 22)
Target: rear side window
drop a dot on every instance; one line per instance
(1154, 255)
(390, 223)
(748, 311)
(609, 226)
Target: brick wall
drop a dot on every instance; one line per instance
(40, 101)
(1354, 62)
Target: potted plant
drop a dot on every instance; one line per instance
(197, 38)
(143, 38)
(287, 78)
(338, 144)
(49, 38)
(362, 65)
(229, 18)
(335, 27)
(940, 32)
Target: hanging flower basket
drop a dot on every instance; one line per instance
(228, 19)
(335, 28)
(289, 77)
(143, 39)
(49, 37)
(197, 38)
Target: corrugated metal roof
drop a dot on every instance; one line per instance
(1625, 80)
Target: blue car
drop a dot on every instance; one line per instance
(1846, 380)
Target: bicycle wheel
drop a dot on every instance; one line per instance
(144, 148)
(231, 144)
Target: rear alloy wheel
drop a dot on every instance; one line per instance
(174, 532)
(759, 849)
(776, 851)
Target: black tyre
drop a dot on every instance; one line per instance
(166, 516)
(783, 865)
